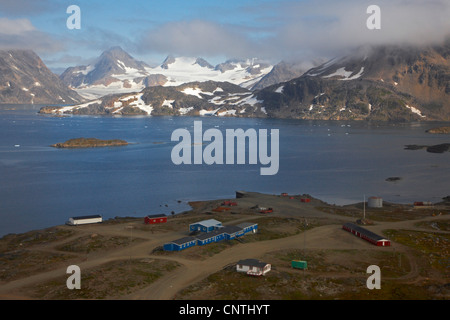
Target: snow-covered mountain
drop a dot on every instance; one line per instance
(390, 82)
(207, 98)
(115, 71)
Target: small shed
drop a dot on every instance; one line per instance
(180, 244)
(366, 234)
(297, 264)
(253, 267)
(156, 218)
(74, 221)
(205, 225)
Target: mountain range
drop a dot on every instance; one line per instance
(115, 71)
(395, 82)
(398, 83)
(402, 83)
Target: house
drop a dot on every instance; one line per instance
(74, 221)
(205, 225)
(180, 244)
(156, 218)
(253, 267)
(366, 234)
(248, 227)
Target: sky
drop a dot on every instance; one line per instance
(215, 30)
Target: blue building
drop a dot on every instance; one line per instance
(217, 233)
(232, 232)
(214, 236)
(205, 225)
(248, 227)
(180, 244)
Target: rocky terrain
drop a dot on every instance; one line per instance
(196, 98)
(25, 79)
(373, 83)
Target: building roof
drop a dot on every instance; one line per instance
(230, 229)
(156, 216)
(364, 231)
(87, 217)
(183, 240)
(252, 263)
(204, 236)
(208, 223)
(246, 224)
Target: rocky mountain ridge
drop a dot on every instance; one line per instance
(25, 79)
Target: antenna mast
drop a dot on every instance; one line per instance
(364, 207)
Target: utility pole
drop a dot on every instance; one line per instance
(364, 203)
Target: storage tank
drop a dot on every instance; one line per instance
(375, 202)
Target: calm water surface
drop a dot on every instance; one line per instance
(338, 162)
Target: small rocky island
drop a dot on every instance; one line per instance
(440, 130)
(439, 148)
(90, 143)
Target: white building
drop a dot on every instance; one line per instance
(74, 221)
(253, 267)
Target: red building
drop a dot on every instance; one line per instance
(156, 218)
(366, 234)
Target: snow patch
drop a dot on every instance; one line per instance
(227, 113)
(195, 92)
(139, 103)
(208, 112)
(168, 103)
(345, 74)
(416, 111)
(356, 76)
(185, 110)
(280, 89)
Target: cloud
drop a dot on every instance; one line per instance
(304, 29)
(328, 27)
(26, 7)
(198, 38)
(21, 34)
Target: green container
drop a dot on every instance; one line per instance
(299, 264)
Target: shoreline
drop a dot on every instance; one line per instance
(194, 202)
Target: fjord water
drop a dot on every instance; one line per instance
(338, 162)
